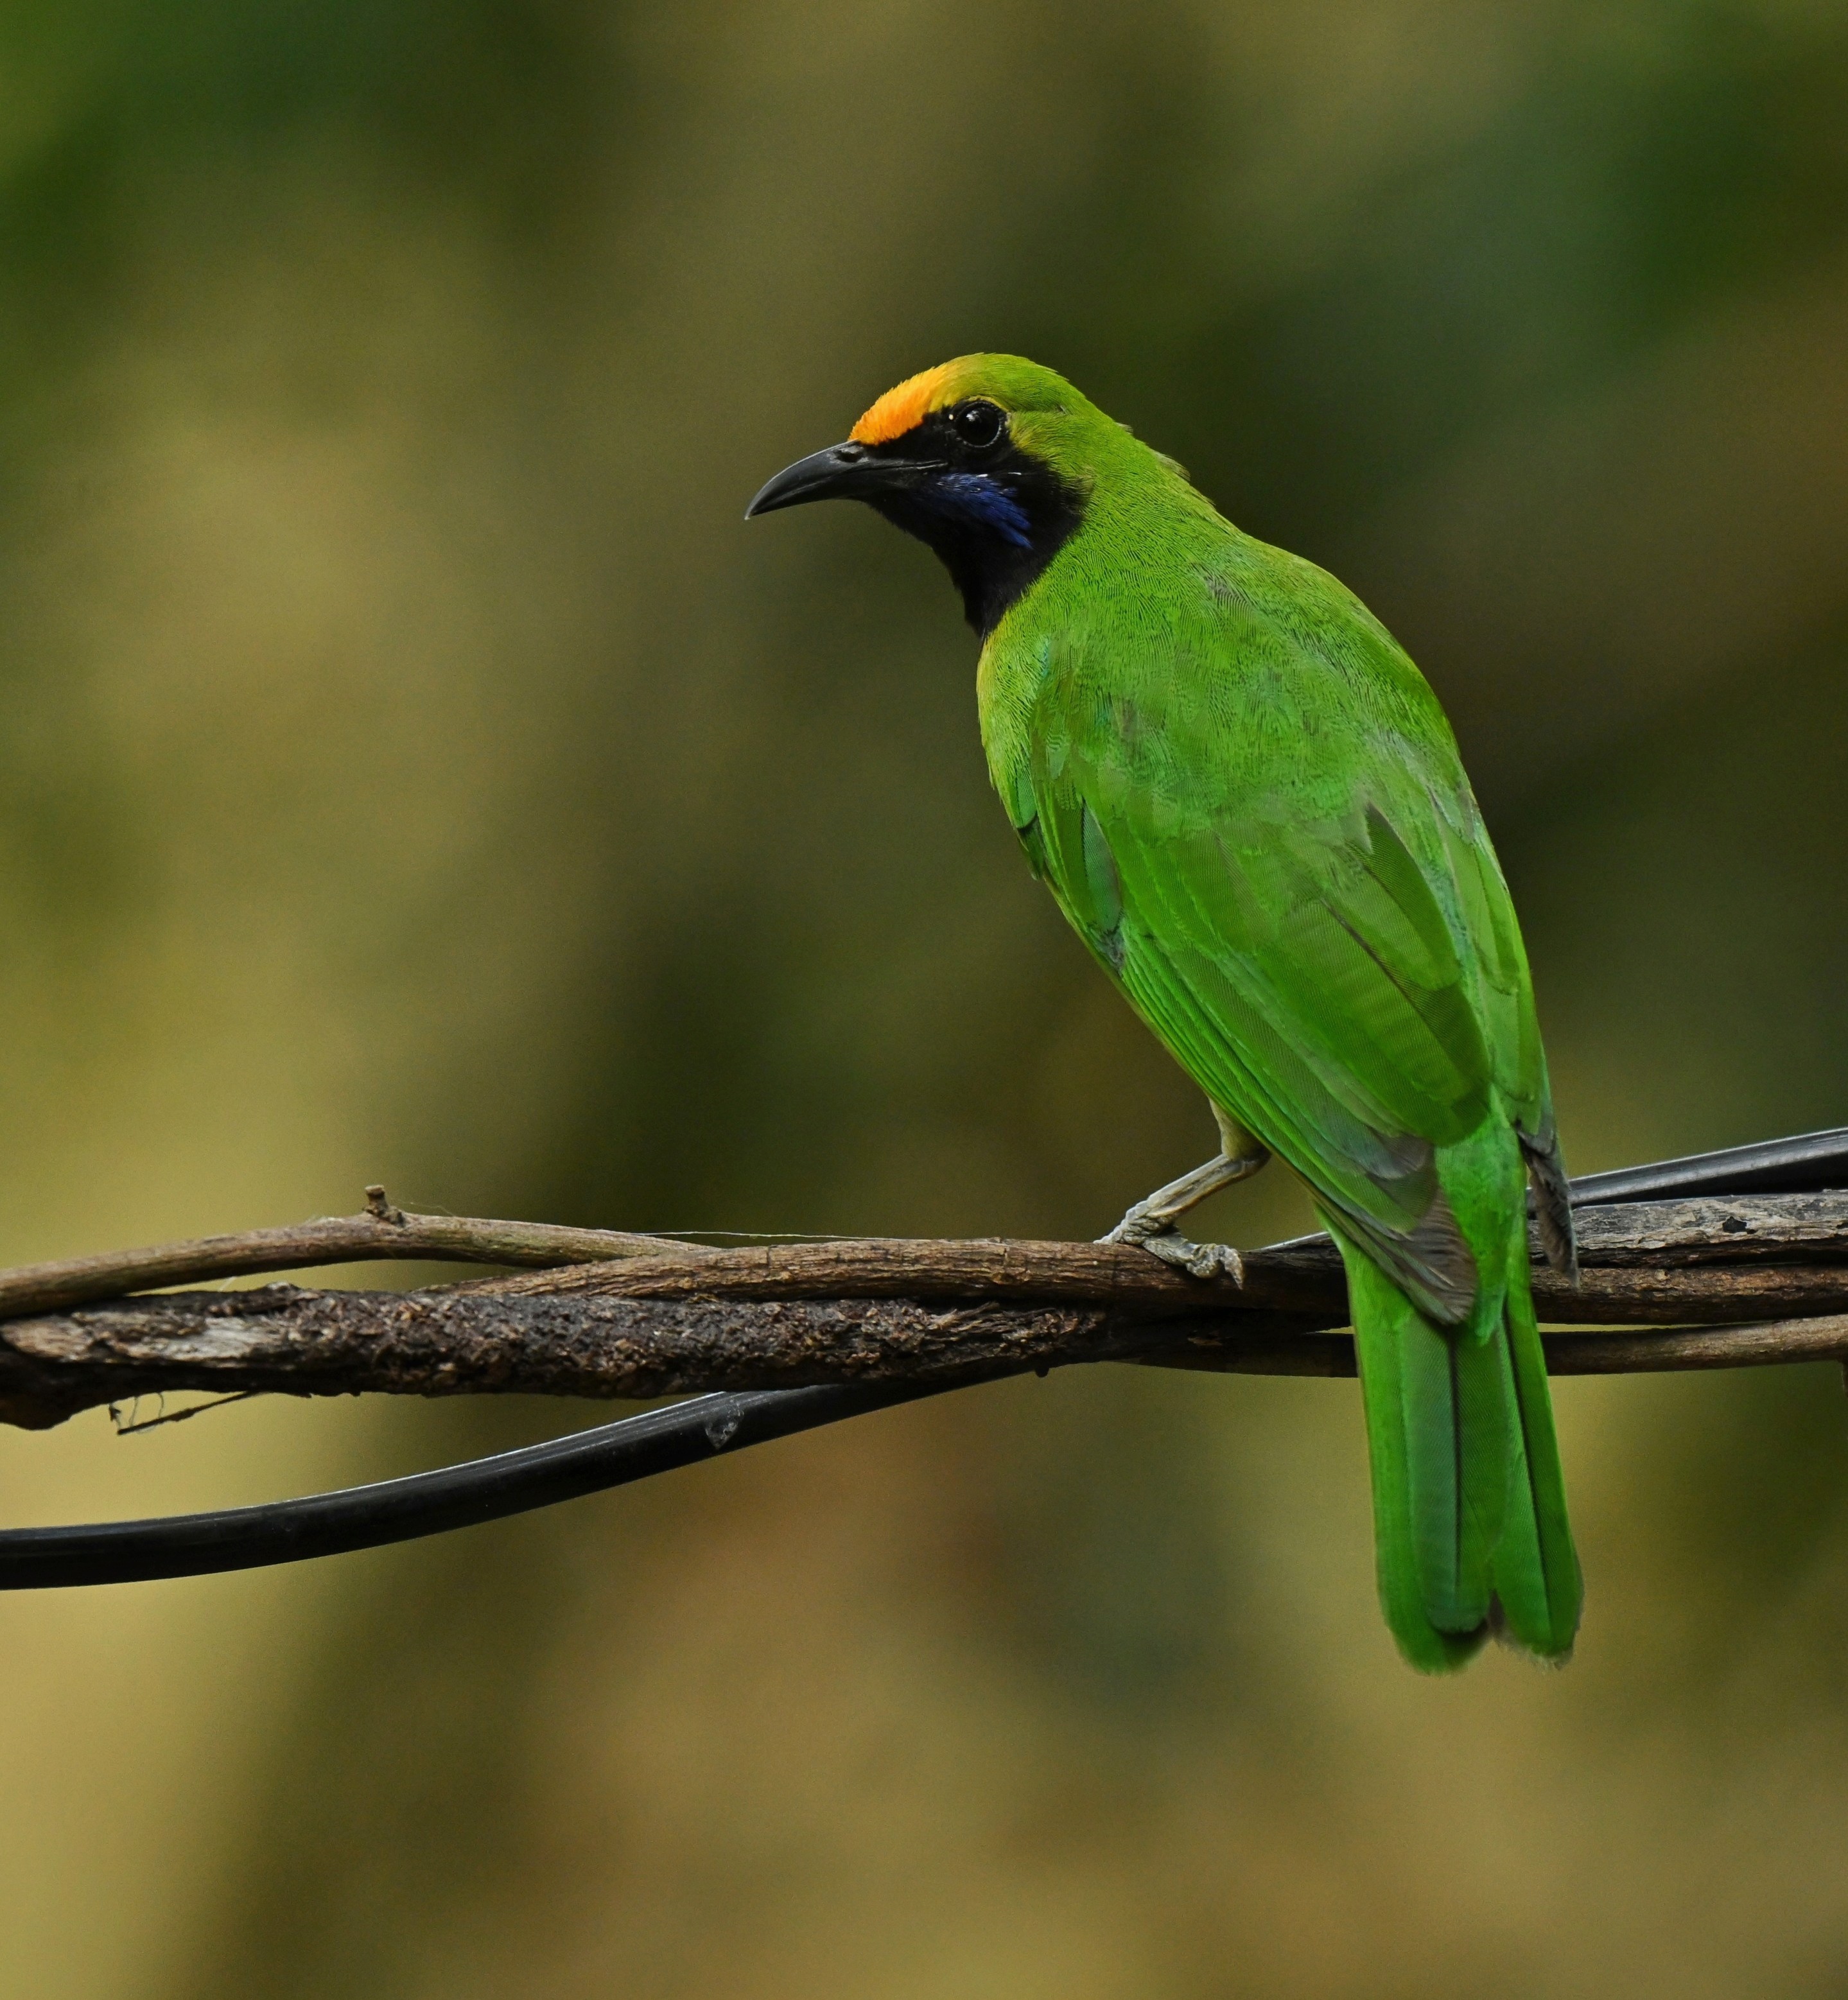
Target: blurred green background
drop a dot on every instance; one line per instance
(411, 769)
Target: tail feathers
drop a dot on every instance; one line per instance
(1469, 1507)
(1536, 1567)
(1552, 1196)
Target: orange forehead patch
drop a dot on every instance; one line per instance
(903, 409)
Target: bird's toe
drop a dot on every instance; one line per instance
(1198, 1260)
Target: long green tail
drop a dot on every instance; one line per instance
(1469, 1504)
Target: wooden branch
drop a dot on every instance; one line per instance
(383, 1232)
(1761, 1278)
(460, 1341)
(1640, 1267)
(1649, 1238)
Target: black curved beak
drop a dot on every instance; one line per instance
(843, 472)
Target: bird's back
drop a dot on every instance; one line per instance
(1251, 806)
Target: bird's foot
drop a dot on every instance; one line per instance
(1198, 1260)
(1161, 1239)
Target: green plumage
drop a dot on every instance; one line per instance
(1249, 803)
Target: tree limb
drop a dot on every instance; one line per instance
(382, 1232)
(656, 1318)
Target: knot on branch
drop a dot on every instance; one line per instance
(378, 1207)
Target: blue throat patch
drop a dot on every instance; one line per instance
(976, 496)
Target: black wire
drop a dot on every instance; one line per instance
(513, 1482)
(1805, 1165)
(430, 1503)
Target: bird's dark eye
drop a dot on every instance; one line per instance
(979, 424)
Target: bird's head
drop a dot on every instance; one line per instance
(991, 460)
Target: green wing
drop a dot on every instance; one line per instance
(1250, 807)
(1261, 826)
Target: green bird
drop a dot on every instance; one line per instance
(1249, 805)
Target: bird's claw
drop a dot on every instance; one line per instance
(1198, 1260)
(1162, 1240)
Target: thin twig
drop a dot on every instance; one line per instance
(382, 1232)
(133, 1427)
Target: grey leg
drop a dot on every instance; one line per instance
(1151, 1223)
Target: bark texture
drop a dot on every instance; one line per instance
(1711, 1282)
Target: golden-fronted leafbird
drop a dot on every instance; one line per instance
(1247, 801)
